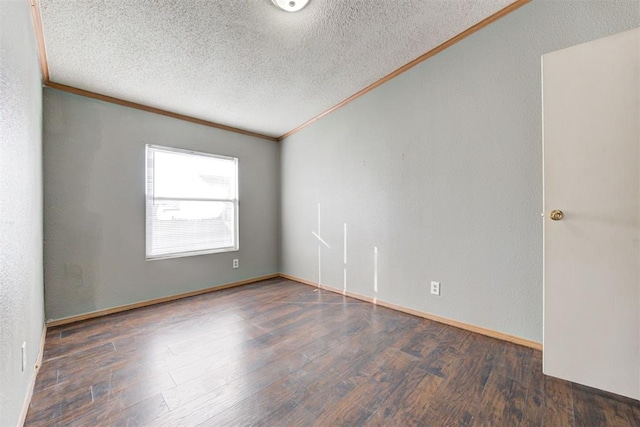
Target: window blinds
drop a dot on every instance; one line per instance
(192, 203)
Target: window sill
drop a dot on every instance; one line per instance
(191, 253)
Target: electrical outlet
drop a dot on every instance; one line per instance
(435, 288)
(24, 356)
(235, 263)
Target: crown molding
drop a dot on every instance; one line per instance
(34, 6)
(42, 54)
(46, 81)
(466, 33)
(142, 107)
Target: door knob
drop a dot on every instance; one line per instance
(556, 215)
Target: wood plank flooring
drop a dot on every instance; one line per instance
(279, 353)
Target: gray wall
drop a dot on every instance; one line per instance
(94, 173)
(440, 169)
(21, 292)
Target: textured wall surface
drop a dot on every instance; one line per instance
(94, 175)
(244, 63)
(21, 291)
(440, 169)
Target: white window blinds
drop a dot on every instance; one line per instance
(192, 203)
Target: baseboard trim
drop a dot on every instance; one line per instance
(32, 381)
(451, 322)
(105, 312)
(466, 326)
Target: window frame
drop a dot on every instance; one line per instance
(149, 199)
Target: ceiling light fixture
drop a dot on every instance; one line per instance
(290, 5)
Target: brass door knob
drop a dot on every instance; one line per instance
(556, 215)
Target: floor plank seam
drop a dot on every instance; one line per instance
(266, 356)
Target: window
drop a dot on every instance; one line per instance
(192, 203)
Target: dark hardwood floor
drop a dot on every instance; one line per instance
(280, 353)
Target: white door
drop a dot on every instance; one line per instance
(591, 121)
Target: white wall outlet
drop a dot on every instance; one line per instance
(236, 263)
(435, 288)
(24, 356)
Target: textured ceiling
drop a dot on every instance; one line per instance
(244, 63)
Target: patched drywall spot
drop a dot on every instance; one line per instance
(73, 276)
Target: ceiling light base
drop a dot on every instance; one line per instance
(290, 5)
